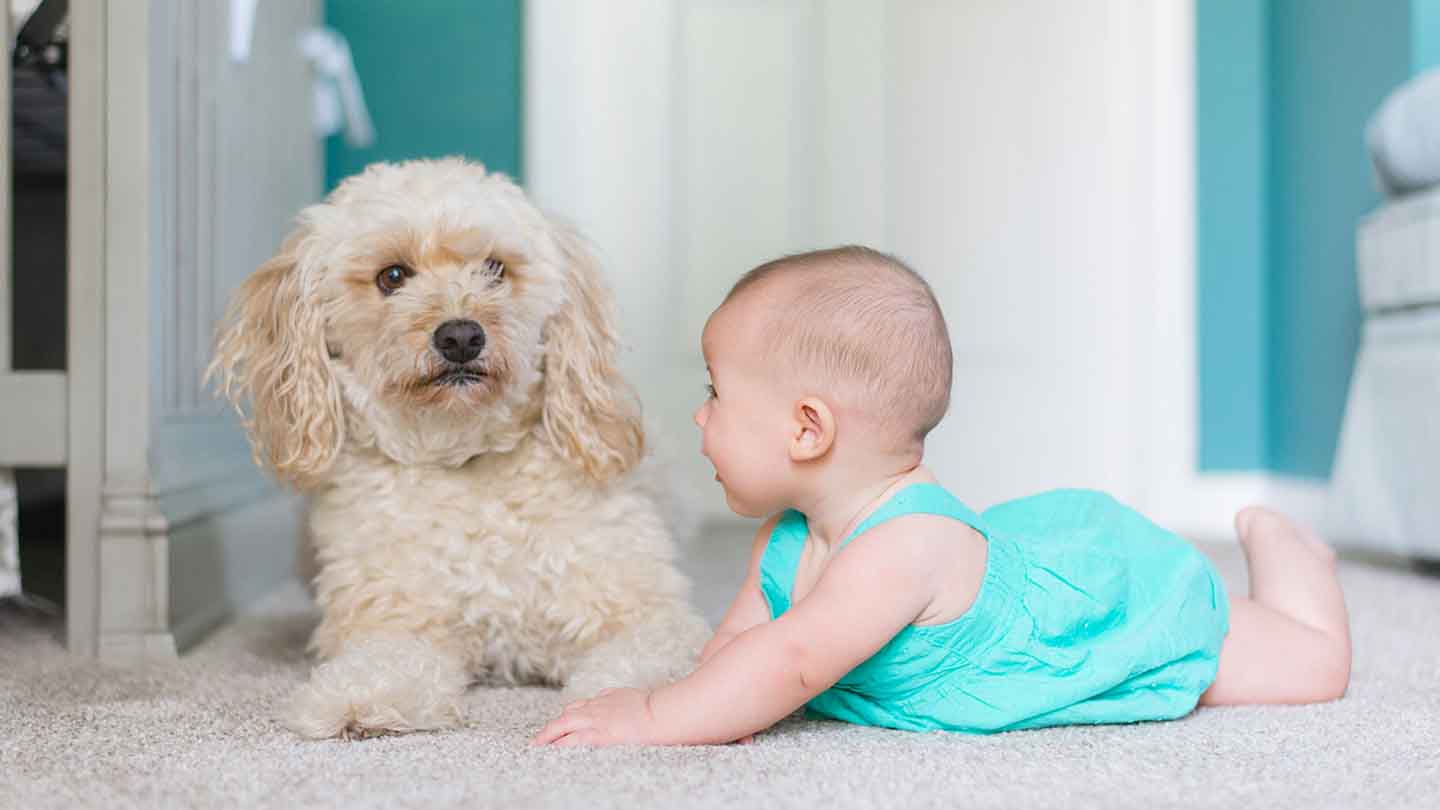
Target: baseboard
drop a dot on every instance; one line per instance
(199, 623)
(220, 562)
(1308, 501)
(1203, 507)
(132, 649)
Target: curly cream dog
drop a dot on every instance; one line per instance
(431, 360)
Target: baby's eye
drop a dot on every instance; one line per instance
(709, 391)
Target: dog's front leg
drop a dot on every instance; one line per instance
(654, 651)
(381, 683)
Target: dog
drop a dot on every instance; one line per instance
(431, 360)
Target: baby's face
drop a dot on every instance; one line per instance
(744, 421)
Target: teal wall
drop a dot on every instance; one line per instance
(1283, 91)
(441, 77)
(1425, 35)
(1332, 63)
(1232, 144)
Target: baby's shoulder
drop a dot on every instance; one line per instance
(920, 534)
(941, 555)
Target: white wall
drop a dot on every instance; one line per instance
(1032, 159)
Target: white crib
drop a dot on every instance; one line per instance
(32, 403)
(9, 555)
(58, 418)
(179, 183)
(1386, 483)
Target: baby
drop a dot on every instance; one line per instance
(875, 596)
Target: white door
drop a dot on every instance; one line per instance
(1005, 149)
(1011, 187)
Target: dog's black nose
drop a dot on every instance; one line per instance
(459, 341)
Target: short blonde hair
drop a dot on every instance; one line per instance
(866, 322)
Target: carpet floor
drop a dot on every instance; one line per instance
(201, 733)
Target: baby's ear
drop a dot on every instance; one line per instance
(270, 350)
(814, 428)
(591, 415)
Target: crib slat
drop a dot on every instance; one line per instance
(6, 155)
(9, 500)
(33, 430)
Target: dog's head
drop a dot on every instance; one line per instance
(429, 310)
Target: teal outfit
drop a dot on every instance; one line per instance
(1087, 613)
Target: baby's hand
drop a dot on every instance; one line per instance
(613, 717)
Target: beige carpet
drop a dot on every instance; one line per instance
(200, 734)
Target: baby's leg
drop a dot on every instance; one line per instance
(1290, 641)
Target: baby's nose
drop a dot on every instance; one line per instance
(700, 416)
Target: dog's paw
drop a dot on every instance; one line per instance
(380, 686)
(588, 684)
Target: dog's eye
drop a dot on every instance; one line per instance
(495, 268)
(392, 278)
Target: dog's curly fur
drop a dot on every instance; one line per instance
(487, 524)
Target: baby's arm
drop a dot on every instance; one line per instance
(749, 607)
(867, 595)
(881, 583)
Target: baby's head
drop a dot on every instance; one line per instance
(834, 357)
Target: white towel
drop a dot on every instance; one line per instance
(339, 99)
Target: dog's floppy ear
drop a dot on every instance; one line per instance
(591, 414)
(270, 349)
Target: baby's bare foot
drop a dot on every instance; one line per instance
(1257, 524)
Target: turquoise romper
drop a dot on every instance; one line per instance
(1087, 613)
